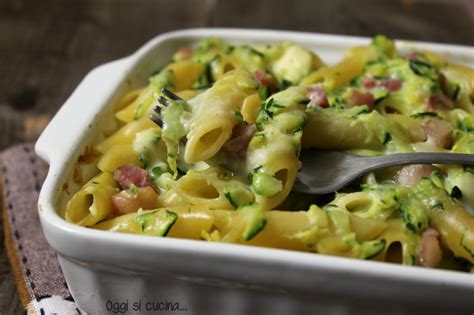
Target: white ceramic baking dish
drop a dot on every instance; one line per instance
(110, 272)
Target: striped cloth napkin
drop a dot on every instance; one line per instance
(38, 276)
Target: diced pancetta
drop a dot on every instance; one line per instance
(438, 131)
(411, 55)
(431, 252)
(185, 53)
(236, 147)
(128, 174)
(358, 98)
(369, 82)
(317, 96)
(390, 84)
(128, 201)
(411, 175)
(440, 99)
(266, 79)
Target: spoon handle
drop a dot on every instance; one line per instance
(420, 158)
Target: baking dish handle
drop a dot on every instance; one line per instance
(64, 131)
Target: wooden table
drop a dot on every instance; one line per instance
(46, 47)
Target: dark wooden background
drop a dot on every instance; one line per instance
(46, 47)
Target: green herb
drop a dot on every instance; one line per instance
(411, 210)
(421, 68)
(426, 70)
(264, 114)
(139, 112)
(263, 92)
(133, 189)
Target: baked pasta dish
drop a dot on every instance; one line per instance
(209, 150)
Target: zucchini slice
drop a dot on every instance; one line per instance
(157, 222)
(255, 220)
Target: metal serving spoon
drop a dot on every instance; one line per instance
(324, 172)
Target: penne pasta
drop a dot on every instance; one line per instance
(213, 121)
(92, 203)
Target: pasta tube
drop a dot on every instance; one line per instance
(214, 115)
(330, 129)
(92, 203)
